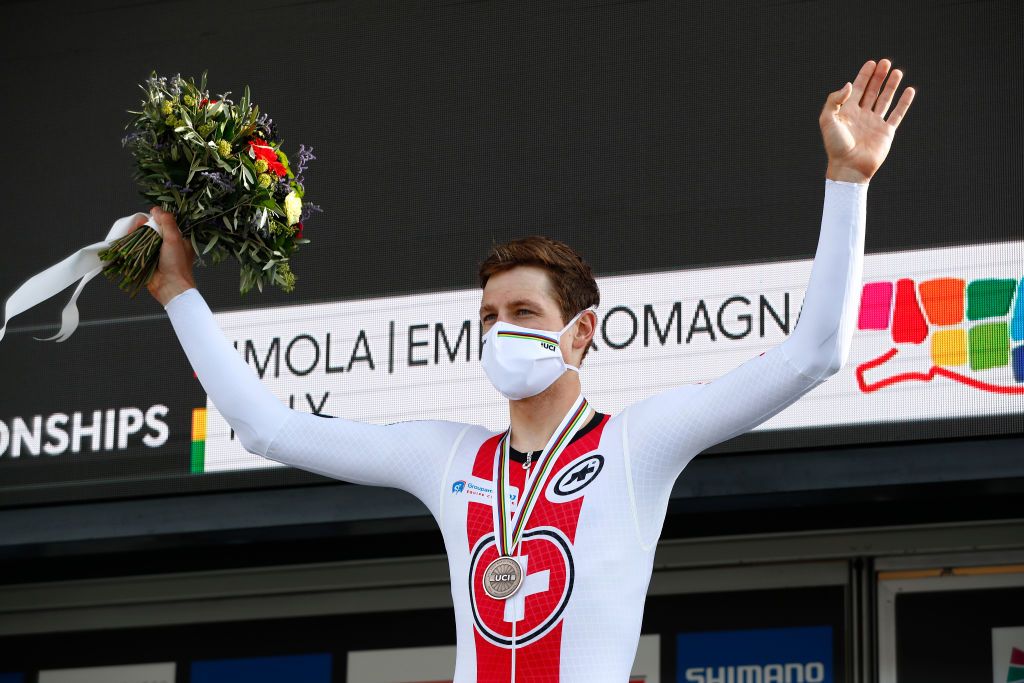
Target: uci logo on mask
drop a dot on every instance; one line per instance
(549, 346)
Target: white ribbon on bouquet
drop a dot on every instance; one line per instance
(84, 264)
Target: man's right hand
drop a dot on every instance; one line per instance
(174, 272)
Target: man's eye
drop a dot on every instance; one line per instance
(524, 310)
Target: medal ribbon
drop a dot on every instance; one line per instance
(510, 532)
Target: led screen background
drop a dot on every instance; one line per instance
(653, 137)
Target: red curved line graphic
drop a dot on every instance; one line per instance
(873, 363)
(924, 377)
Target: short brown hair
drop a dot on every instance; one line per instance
(571, 279)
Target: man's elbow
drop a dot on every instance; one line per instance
(834, 362)
(254, 439)
(823, 364)
(833, 366)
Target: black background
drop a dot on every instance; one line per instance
(647, 135)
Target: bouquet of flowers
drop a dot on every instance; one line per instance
(219, 168)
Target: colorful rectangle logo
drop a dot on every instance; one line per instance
(970, 326)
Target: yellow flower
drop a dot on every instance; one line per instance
(286, 276)
(166, 108)
(293, 207)
(172, 120)
(261, 165)
(224, 148)
(263, 179)
(189, 100)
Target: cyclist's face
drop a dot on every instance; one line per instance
(522, 296)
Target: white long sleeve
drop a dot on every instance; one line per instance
(664, 432)
(406, 455)
(820, 344)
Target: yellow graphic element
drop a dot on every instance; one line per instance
(199, 424)
(949, 347)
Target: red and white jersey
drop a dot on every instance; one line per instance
(588, 549)
(577, 613)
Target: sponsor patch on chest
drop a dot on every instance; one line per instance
(479, 490)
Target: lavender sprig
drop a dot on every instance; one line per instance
(219, 179)
(307, 210)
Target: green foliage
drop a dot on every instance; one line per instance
(230, 215)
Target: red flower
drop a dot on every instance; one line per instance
(204, 101)
(262, 149)
(278, 168)
(298, 233)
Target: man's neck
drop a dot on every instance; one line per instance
(535, 419)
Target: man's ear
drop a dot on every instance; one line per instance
(586, 328)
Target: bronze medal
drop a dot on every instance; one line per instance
(503, 577)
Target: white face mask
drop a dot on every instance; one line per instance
(522, 362)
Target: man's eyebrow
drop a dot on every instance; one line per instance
(515, 302)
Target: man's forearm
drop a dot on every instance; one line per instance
(820, 343)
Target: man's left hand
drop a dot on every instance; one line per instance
(856, 136)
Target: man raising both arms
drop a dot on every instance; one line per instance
(549, 576)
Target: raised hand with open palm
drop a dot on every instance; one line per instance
(856, 134)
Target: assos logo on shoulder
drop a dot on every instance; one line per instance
(790, 672)
(569, 482)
